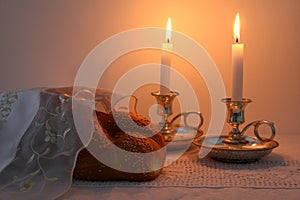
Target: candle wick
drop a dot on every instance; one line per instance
(168, 40)
(237, 40)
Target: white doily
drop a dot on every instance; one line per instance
(190, 171)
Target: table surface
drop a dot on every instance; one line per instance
(288, 150)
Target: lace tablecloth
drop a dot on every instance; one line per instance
(276, 176)
(273, 172)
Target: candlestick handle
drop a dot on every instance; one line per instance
(185, 120)
(256, 125)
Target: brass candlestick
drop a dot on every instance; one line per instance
(166, 126)
(236, 146)
(235, 117)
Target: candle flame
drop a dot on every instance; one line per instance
(169, 30)
(236, 29)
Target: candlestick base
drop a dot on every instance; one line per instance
(252, 151)
(236, 147)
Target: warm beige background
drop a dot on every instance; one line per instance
(42, 43)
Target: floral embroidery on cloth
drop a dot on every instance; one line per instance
(6, 101)
(43, 164)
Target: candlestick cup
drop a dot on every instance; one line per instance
(165, 110)
(235, 117)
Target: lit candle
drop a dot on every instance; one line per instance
(237, 62)
(166, 61)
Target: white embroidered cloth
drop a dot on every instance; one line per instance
(39, 142)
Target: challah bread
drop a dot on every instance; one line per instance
(131, 132)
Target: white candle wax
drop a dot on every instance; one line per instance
(237, 75)
(165, 69)
(166, 62)
(237, 63)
